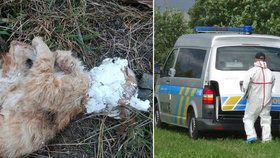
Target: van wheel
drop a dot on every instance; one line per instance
(193, 131)
(157, 120)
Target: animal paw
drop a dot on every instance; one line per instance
(65, 61)
(41, 48)
(37, 41)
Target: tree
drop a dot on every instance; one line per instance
(169, 25)
(263, 15)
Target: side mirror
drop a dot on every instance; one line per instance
(172, 72)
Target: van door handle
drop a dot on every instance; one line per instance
(167, 81)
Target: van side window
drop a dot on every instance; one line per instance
(169, 63)
(190, 63)
(236, 58)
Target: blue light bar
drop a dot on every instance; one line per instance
(245, 30)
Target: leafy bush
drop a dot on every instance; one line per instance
(264, 16)
(169, 25)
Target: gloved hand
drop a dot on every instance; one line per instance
(241, 85)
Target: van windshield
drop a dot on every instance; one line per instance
(242, 57)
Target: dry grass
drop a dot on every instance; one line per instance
(94, 30)
(96, 136)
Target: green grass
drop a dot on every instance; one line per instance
(175, 143)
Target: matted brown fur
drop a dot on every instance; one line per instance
(15, 60)
(42, 102)
(14, 65)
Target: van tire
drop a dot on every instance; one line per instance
(157, 119)
(193, 131)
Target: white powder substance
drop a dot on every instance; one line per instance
(106, 88)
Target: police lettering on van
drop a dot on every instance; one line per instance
(198, 87)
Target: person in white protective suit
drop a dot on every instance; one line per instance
(257, 86)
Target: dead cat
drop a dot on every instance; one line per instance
(42, 101)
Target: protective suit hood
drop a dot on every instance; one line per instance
(261, 64)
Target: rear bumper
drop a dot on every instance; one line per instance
(229, 125)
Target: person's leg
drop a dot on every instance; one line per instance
(266, 123)
(250, 116)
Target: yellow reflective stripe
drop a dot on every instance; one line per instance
(230, 103)
(180, 108)
(193, 91)
(185, 111)
(227, 108)
(187, 91)
(181, 90)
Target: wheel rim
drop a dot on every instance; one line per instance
(156, 117)
(192, 126)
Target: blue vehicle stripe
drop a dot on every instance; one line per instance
(275, 108)
(241, 107)
(198, 92)
(167, 89)
(174, 90)
(242, 101)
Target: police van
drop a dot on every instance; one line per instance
(199, 85)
